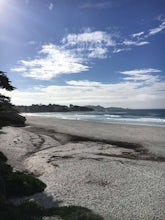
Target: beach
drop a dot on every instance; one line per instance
(116, 170)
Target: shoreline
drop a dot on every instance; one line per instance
(107, 118)
(147, 136)
(103, 122)
(115, 170)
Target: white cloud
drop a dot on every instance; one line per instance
(138, 34)
(146, 34)
(73, 55)
(139, 38)
(52, 61)
(135, 43)
(95, 44)
(19, 69)
(88, 37)
(136, 72)
(138, 89)
(145, 75)
(83, 83)
(98, 52)
(157, 29)
(51, 6)
(118, 50)
(97, 5)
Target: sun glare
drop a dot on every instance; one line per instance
(2, 8)
(2, 3)
(7, 12)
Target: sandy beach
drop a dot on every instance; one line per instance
(116, 170)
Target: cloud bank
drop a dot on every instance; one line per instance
(139, 88)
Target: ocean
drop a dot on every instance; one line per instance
(154, 117)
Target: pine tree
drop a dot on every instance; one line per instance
(5, 83)
(5, 100)
(8, 114)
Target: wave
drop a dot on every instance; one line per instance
(106, 118)
(156, 120)
(113, 116)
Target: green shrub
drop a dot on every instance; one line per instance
(31, 208)
(2, 189)
(19, 184)
(26, 211)
(8, 212)
(5, 169)
(3, 158)
(74, 213)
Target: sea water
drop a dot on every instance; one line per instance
(154, 117)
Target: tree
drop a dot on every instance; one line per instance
(5, 83)
(8, 114)
(5, 100)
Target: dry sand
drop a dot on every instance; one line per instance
(117, 171)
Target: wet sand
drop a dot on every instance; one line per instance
(117, 171)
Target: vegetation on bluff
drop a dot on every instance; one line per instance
(52, 108)
(12, 185)
(8, 113)
(16, 184)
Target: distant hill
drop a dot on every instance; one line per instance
(52, 108)
(100, 108)
(64, 108)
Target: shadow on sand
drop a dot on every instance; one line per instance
(46, 200)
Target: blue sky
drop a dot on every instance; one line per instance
(107, 52)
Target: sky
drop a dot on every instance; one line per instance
(84, 52)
